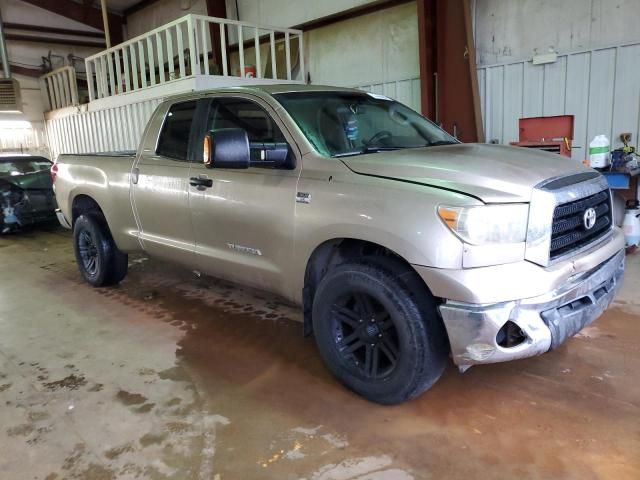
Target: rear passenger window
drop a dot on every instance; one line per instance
(174, 137)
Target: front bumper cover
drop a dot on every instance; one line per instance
(546, 321)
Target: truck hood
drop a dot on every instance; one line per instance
(492, 173)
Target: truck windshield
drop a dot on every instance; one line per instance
(341, 124)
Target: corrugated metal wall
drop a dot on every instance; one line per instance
(108, 130)
(31, 140)
(600, 87)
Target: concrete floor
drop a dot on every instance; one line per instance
(174, 376)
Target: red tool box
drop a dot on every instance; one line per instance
(551, 134)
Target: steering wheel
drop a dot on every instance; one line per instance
(378, 136)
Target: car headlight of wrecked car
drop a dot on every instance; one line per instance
(487, 224)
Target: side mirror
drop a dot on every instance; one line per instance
(271, 155)
(226, 148)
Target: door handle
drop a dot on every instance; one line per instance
(201, 182)
(135, 174)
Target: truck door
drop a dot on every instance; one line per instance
(244, 219)
(160, 185)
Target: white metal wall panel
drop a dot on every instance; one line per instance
(495, 109)
(577, 99)
(554, 87)
(513, 86)
(600, 87)
(532, 91)
(603, 74)
(113, 129)
(23, 139)
(626, 100)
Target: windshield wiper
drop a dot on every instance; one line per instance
(364, 150)
(441, 142)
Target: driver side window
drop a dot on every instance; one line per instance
(262, 131)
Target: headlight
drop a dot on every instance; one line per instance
(487, 224)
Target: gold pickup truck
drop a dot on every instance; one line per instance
(403, 246)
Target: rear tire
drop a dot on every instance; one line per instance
(99, 260)
(378, 330)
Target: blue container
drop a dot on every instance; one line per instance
(617, 180)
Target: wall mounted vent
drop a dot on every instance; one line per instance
(10, 100)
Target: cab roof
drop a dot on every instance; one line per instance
(275, 88)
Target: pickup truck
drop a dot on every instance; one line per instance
(403, 246)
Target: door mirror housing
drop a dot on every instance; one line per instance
(226, 148)
(271, 155)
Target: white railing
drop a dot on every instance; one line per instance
(60, 88)
(196, 45)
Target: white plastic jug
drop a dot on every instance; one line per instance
(631, 227)
(600, 152)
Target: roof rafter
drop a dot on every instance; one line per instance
(83, 13)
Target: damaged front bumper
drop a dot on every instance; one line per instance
(20, 207)
(523, 328)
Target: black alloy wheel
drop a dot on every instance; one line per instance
(99, 260)
(365, 335)
(378, 329)
(88, 252)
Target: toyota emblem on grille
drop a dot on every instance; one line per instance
(589, 218)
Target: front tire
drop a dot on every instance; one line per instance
(99, 260)
(378, 330)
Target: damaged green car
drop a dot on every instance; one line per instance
(26, 193)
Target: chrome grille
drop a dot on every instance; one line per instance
(568, 231)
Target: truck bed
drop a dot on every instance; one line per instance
(105, 179)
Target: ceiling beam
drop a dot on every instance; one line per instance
(82, 13)
(37, 73)
(136, 7)
(371, 7)
(26, 71)
(60, 31)
(55, 40)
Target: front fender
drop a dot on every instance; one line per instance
(397, 216)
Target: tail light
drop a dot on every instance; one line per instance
(54, 171)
